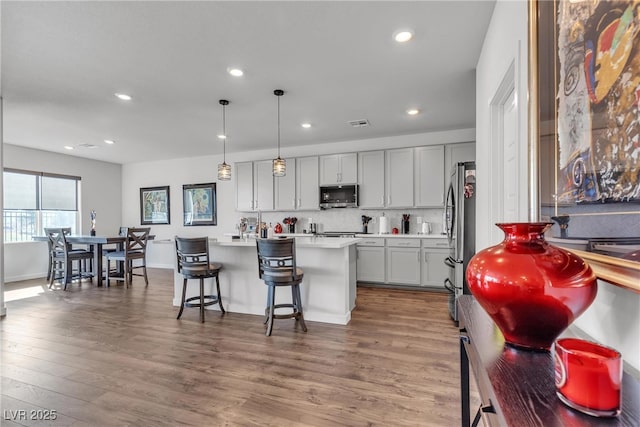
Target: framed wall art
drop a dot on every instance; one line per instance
(155, 205)
(199, 202)
(585, 124)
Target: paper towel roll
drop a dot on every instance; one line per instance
(384, 225)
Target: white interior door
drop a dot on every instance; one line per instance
(510, 160)
(503, 167)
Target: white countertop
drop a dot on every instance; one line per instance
(405, 236)
(301, 242)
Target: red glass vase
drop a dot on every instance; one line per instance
(531, 289)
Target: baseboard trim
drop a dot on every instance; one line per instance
(42, 275)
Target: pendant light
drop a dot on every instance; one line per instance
(279, 165)
(224, 170)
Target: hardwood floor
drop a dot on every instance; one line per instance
(117, 356)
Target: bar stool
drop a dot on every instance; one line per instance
(194, 263)
(277, 267)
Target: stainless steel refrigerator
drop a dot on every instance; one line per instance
(460, 224)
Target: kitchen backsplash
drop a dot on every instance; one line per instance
(350, 219)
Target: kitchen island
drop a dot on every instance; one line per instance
(328, 288)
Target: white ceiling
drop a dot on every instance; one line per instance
(62, 62)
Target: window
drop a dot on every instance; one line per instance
(35, 200)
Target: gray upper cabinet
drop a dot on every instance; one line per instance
(263, 185)
(399, 178)
(307, 183)
(254, 186)
(454, 153)
(414, 177)
(298, 189)
(339, 169)
(244, 186)
(429, 176)
(285, 188)
(371, 175)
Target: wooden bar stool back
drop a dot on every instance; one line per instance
(194, 263)
(277, 267)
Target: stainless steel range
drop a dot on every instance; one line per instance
(338, 233)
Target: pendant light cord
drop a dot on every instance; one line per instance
(278, 126)
(224, 104)
(224, 132)
(278, 93)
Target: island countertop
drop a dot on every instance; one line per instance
(328, 288)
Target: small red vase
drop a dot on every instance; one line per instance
(532, 290)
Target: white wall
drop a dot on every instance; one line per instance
(203, 169)
(505, 46)
(101, 190)
(3, 307)
(614, 318)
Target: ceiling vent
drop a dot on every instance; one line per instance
(359, 123)
(87, 146)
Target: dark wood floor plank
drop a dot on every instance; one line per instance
(51, 382)
(64, 405)
(19, 413)
(155, 414)
(118, 356)
(36, 364)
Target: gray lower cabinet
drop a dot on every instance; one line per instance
(403, 261)
(434, 270)
(370, 264)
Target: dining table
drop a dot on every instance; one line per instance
(96, 243)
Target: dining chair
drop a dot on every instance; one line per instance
(122, 231)
(47, 230)
(193, 262)
(277, 267)
(133, 256)
(62, 258)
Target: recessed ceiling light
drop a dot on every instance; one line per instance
(413, 111)
(235, 72)
(222, 136)
(403, 36)
(123, 96)
(109, 141)
(68, 147)
(306, 125)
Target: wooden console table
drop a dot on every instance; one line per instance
(517, 387)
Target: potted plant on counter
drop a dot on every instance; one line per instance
(291, 222)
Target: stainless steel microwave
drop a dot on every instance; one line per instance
(339, 196)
